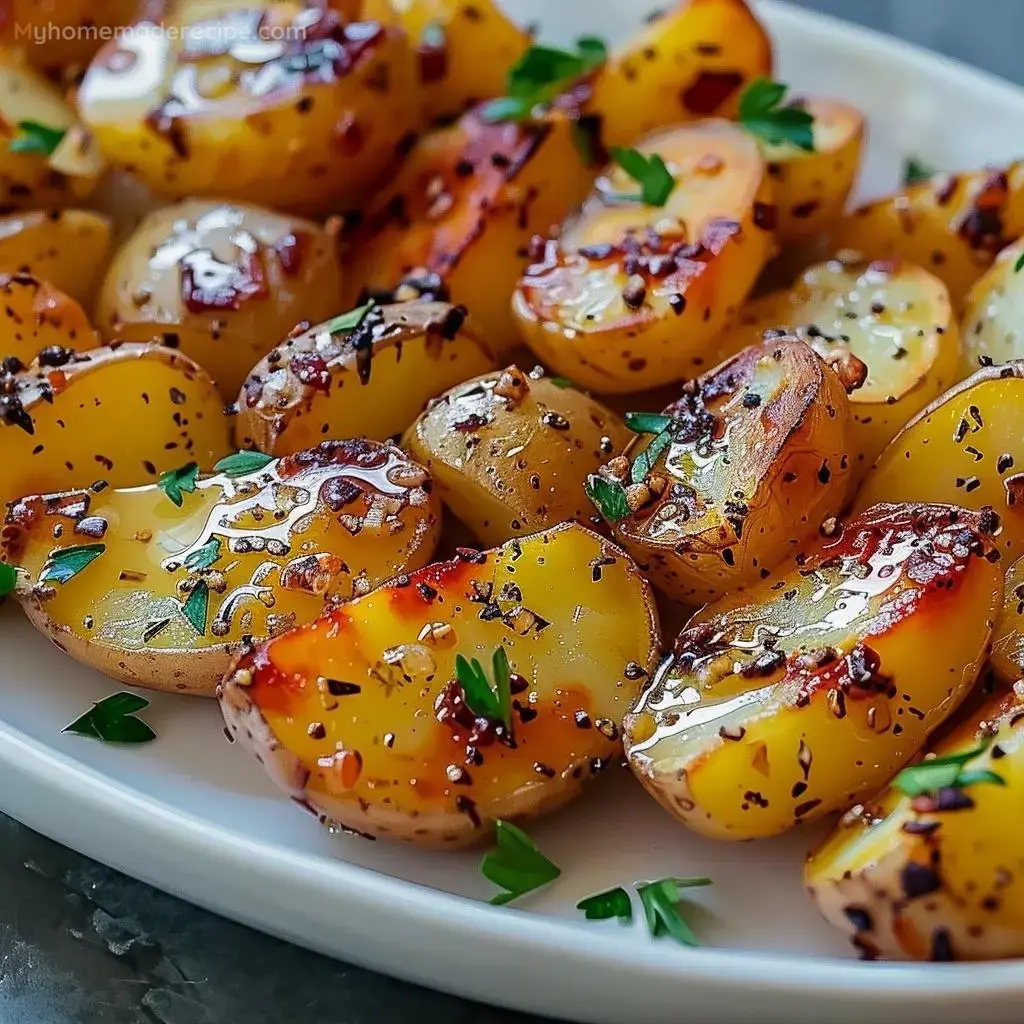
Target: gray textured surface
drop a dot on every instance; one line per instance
(80, 944)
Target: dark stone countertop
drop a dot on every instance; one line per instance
(81, 944)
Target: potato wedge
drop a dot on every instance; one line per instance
(67, 248)
(993, 324)
(630, 295)
(394, 359)
(458, 219)
(362, 719)
(1007, 656)
(953, 225)
(119, 415)
(889, 325)
(966, 448)
(510, 451)
(223, 283)
(36, 317)
(934, 877)
(807, 693)
(692, 60)
(286, 104)
(735, 475)
(160, 593)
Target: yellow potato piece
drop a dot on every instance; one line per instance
(894, 320)
(807, 692)
(393, 359)
(751, 461)
(37, 318)
(119, 415)
(1007, 657)
(630, 295)
(993, 323)
(361, 719)
(221, 282)
(936, 876)
(510, 451)
(162, 594)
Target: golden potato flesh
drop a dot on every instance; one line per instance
(630, 295)
(807, 692)
(509, 452)
(993, 324)
(361, 718)
(691, 60)
(811, 188)
(223, 283)
(966, 448)
(953, 225)
(457, 220)
(67, 248)
(392, 358)
(741, 470)
(886, 328)
(118, 415)
(1007, 655)
(37, 318)
(936, 876)
(279, 102)
(163, 591)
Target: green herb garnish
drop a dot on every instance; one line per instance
(349, 321)
(113, 720)
(561, 382)
(608, 496)
(605, 905)
(649, 172)
(67, 563)
(915, 171)
(937, 773)
(761, 113)
(1019, 265)
(243, 462)
(661, 901)
(517, 865)
(484, 699)
(177, 482)
(34, 137)
(647, 422)
(205, 556)
(196, 607)
(8, 579)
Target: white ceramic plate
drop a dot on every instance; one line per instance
(194, 816)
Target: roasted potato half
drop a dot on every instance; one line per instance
(1007, 656)
(807, 693)
(630, 295)
(47, 159)
(954, 225)
(888, 330)
(156, 586)
(510, 451)
(394, 359)
(363, 718)
(993, 324)
(119, 415)
(67, 248)
(37, 318)
(458, 219)
(287, 104)
(936, 876)
(735, 475)
(691, 60)
(223, 283)
(966, 448)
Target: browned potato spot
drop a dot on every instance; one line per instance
(360, 716)
(160, 593)
(744, 468)
(38, 319)
(629, 295)
(803, 695)
(510, 451)
(393, 359)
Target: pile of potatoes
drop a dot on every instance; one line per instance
(292, 319)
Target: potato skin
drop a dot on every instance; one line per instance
(691, 61)
(744, 480)
(352, 514)
(629, 296)
(461, 213)
(993, 323)
(359, 718)
(806, 693)
(35, 316)
(397, 359)
(510, 451)
(119, 415)
(953, 225)
(221, 282)
(303, 123)
(935, 877)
